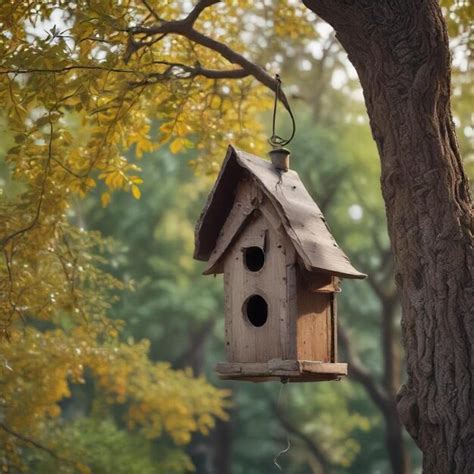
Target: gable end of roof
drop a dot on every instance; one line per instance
(302, 219)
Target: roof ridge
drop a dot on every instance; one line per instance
(302, 219)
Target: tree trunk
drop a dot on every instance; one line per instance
(396, 449)
(222, 438)
(400, 51)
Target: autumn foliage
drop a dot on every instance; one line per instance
(75, 97)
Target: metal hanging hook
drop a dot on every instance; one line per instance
(275, 140)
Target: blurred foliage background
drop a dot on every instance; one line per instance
(157, 291)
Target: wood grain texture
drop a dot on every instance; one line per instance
(291, 370)
(323, 368)
(249, 343)
(314, 329)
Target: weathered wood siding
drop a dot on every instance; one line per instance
(314, 324)
(245, 342)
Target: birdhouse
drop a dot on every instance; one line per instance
(281, 265)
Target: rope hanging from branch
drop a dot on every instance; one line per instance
(275, 140)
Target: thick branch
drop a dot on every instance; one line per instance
(233, 57)
(198, 9)
(185, 28)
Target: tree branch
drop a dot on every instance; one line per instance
(183, 71)
(198, 9)
(362, 375)
(32, 224)
(185, 28)
(314, 449)
(151, 10)
(233, 57)
(70, 68)
(165, 27)
(197, 339)
(37, 445)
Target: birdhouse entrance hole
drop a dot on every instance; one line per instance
(256, 310)
(254, 258)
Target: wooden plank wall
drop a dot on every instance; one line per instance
(245, 342)
(314, 325)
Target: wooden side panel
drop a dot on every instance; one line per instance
(314, 325)
(245, 342)
(334, 328)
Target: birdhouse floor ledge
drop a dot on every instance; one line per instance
(290, 370)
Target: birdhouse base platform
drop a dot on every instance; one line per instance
(285, 370)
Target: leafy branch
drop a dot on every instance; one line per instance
(32, 224)
(79, 467)
(148, 35)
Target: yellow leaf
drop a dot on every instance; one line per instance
(116, 179)
(181, 129)
(177, 145)
(105, 199)
(136, 191)
(166, 127)
(90, 183)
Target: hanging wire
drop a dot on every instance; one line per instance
(288, 444)
(275, 140)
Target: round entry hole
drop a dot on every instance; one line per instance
(254, 258)
(256, 310)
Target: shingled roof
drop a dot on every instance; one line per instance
(302, 219)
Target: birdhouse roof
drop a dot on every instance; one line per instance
(300, 216)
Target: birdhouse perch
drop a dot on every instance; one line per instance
(281, 265)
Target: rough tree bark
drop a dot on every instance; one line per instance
(400, 51)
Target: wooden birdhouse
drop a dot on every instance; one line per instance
(281, 267)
